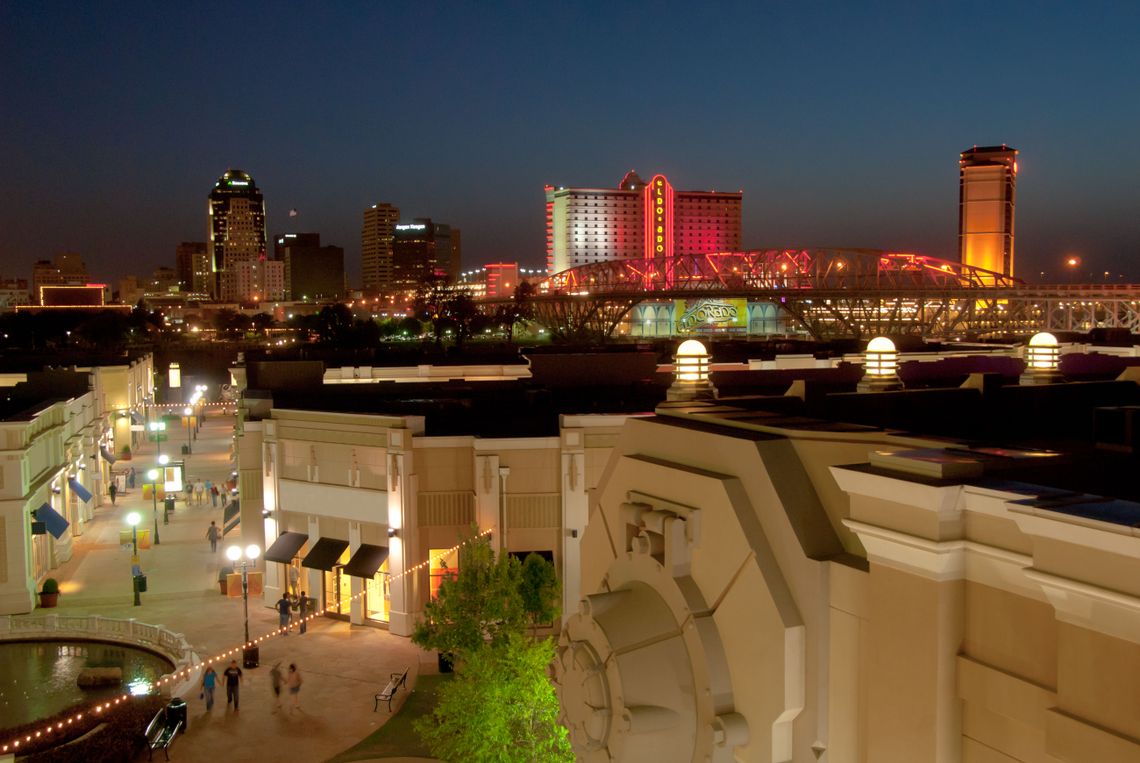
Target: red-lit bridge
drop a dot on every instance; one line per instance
(835, 292)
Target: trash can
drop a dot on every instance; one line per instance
(445, 660)
(176, 711)
(167, 508)
(250, 656)
(140, 582)
(185, 450)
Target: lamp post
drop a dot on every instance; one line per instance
(245, 557)
(187, 412)
(133, 520)
(152, 475)
(158, 433)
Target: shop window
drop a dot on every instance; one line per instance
(444, 564)
(378, 598)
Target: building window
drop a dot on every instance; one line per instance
(444, 564)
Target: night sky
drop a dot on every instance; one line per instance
(842, 127)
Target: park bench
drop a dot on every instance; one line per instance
(160, 734)
(389, 692)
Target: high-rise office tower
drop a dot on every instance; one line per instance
(376, 247)
(986, 190)
(312, 272)
(637, 220)
(192, 261)
(236, 235)
(422, 248)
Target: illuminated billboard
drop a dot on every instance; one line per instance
(711, 315)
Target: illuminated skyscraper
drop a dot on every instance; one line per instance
(236, 234)
(424, 248)
(987, 186)
(376, 238)
(637, 220)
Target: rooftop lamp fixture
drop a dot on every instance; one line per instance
(880, 366)
(1041, 360)
(691, 373)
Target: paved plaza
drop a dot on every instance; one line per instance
(343, 666)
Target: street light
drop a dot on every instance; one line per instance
(245, 557)
(158, 433)
(133, 520)
(187, 412)
(152, 475)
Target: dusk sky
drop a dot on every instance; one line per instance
(842, 127)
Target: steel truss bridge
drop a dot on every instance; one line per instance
(835, 293)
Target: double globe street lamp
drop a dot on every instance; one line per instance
(246, 557)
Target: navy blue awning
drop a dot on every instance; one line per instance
(137, 418)
(52, 519)
(107, 455)
(77, 488)
(285, 547)
(366, 561)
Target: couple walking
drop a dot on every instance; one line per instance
(290, 681)
(233, 676)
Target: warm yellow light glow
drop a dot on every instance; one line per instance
(692, 362)
(152, 475)
(233, 553)
(174, 376)
(133, 519)
(882, 358)
(1043, 352)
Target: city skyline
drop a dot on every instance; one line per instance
(842, 129)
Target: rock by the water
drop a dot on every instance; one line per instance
(97, 678)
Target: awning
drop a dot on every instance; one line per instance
(107, 455)
(137, 418)
(366, 561)
(285, 547)
(55, 523)
(324, 553)
(231, 518)
(77, 488)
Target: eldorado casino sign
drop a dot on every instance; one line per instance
(718, 315)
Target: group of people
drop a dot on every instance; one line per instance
(285, 606)
(290, 681)
(198, 490)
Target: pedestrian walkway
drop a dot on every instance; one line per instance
(343, 666)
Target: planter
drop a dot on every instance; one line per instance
(48, 600)
(222, 587)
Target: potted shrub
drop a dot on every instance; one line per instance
(125, 453)
(222, 573)
(49, 594)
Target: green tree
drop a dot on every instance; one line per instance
(482, 604)
(538, 586)
(501, 708)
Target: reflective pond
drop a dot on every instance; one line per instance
(38, 678)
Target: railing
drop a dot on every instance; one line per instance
(156, 638)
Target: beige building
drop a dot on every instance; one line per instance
(742, 582)
(59, 433)
(376, 247)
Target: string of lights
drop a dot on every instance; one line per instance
(13, 745)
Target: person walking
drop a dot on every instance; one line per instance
(277, 680)
(113, 491)
(283, 613)
(212, 491)
(213, 534)
(293, 682)
(303, 612)
(199, 493)
(233, 684)
(131, 478)
(209, 681)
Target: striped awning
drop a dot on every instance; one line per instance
(77, 488)
(52, 519)
(107, 455)
(285, 547)
(366, 561)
